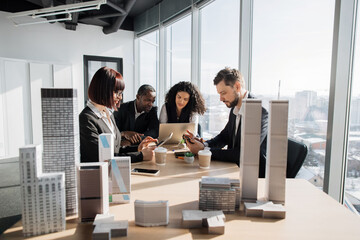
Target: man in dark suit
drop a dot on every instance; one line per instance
(138, 118)
(231, 87)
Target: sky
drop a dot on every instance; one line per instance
(292, 43)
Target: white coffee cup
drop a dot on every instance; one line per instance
(204, 158)
(160, 155)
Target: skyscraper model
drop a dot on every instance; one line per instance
(120, 180)
(106, 147)
(93, 190)
(250, 152)
(119, 170)
(277, 147)
(42, 194)
(61, 138)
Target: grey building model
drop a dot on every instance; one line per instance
(93, 190)
(42, 194)
(61, 138)
(219, 194)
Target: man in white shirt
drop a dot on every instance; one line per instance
(230, 85)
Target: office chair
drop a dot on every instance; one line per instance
(297, 152)
(199, 130)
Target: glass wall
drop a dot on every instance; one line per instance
(291, 59)
(219, 46)
(178, 51)
(149, 59)
(352, 183)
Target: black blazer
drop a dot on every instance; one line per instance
(146, 123)
(91, 126)
(232, 153)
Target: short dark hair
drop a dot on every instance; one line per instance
(144, 89)
(196, 102)
(104, 83)
(230, 76)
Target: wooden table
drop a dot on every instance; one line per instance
(311, 214)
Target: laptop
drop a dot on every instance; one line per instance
(178, 129)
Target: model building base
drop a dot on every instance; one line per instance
(152, 213)
(106, 227)
(213, 220)
(265, 210)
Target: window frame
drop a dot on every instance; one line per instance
(87, 59)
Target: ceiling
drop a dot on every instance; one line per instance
(114, 15)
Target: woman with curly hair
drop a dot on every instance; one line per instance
(183, 104)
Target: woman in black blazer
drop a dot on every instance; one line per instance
(105, 94)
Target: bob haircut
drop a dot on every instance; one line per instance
(104, 83)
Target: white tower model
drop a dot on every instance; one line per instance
(61, 138)
(250, 150)
(120, 180)
(277, 147)
(106, 147)
(42, 194)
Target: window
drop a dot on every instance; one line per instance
(291, 58)
(219, 43)
(352, 182)
(149, 59)
(93, 63)
(178, 51)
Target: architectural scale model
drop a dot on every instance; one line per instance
(265, 210)
(213, 220)
(93, 190)
(103, 218)
(61, 138)
(235, 184)
(250, 152)
(151, 213)
(42, 194)
(119, 184)
(277, 147)
(105, 227)
(218, 194)
(106, 147)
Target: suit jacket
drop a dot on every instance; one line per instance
(232, 153)
(91, 126)
(147, 123)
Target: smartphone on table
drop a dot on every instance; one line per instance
(144, 171)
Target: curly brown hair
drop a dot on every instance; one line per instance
(196, 102)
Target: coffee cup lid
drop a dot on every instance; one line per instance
(160, 149)
(206, 152)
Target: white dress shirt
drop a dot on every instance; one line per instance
(104, 113)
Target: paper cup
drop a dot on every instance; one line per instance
(160, 155)
(204, 158)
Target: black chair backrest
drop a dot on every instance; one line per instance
(297, 152)
(199, 130)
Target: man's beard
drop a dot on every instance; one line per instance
(147, 109)
(235, 102)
